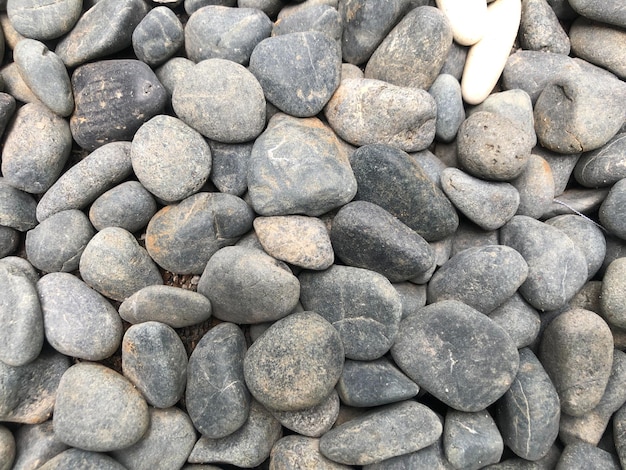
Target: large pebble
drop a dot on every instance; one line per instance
(35, 445)
(610, 11)
(361, 304)
(229, 169)
(158, 36)
(477, 365)
(582, 456)
(38, 19)
(300, 452)
(323, 18)
(604, 166)
(314, 421)
(613, 297)
(298, 166)
(7, 448)
(217, 399)
(128, 205)
(518, 319)
(540, 29)
(182, 237)
(446, 91)
(536, 187)
(611, 210)
(17, 208)
(78, 458)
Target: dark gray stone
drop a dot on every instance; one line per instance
(584, 456)
(19, 265)
(158, 36)
(229, 170)
(611, 210)
(536, 187)
(114, 264)
(35, 445)
(563, 9)
(392, 179)
(40, 20)
(389, 431)
(298, 166)
(540, 29)
(365, 235)
(130, 91)
(7, 108)
(518, 319)
(455, 61)
(361, 304)
(584, 201)
(469, 235)
(613, 296)
(9, 240)
(431, 164)
(172, 71)
(217, 399)
(446, 91)
(428, 458)
(78, 321)
(191, 6)
(604, 166)
(300, 452)
(476, 366)
(182, 237)
(58, 242)
(528, 414)
(36, 148)
(78, 458)
(562, 167)
(615, 248)
(128, 205)
(314, 421)
(610, 11)
(600, 43)
(321, 17)
(270, 7)
(619, 432)
(17, 208)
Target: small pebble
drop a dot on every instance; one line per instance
(605, 166)
(613, 295)
(128, 205)
(35, 445)
(314, 421)
(518, 319)
(172, 71)
(17, 208)
(300, 452)
(229, 169)
(158, 36)
(9, 240)
(610, 210)
(323, 18)
(610, 11)
(540, 29)
(536, 187)
(582, 456)
(446, 91)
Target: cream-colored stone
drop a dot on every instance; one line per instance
(467, 19)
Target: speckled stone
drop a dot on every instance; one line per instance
(128, 205)
(604, 166)
(300, 452)
(17, 208)
(581, 455)
(613, 293)
(78, 458)
(610, 210)
(229, 168)
(446, 90)
(314, 421)
(158, 36)
(35, 445)
(40, 20)
(540, 29)
(518, 319)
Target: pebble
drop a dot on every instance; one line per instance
(166, 444)
(247, 447)
(362, 306)
(314, 421)
(610, 12)
(9, 240)
(431, 457)
(295, 364)
(20, 266)
(298, 166)
(221, 32)
(58, 242)
(43, 21)
(477, 366)
(35, 445)
(158, 36)
(45, 74)
(292, 452)
(296, 239)
(610, 210)
(114, 264)
(171, 72)
(529, 412)
(78, 458)
(613, 293)
(222, 100)
(489, 204)
(7, 108)
(412, 296)
(605, 166)
(29, 391)
(109, 110)
(581, 455)
(562, 167)
(323, 18)
(412, 197)
(446, 91)
(467, 19)
(17, 208)
(584, 201)
(229, 169)
(386, 432)
(182, 237)
(191, 6)
(170, 305)
(36, 148)
(128, 205)
(455, 61)
(619, 432)
(469, 235)
(409, 122)
(540, 29)
(518, 319)
(216, 398)
(536, 187)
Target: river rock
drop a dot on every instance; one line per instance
(14, 84)
(604, 166)
(471, 440)
(172, 71)
(608, 12)
(323, 18)
(314, 421)
(19, 265)
(562, 167)
(477, 366)
(540, 29)
(229, 169)
(300, 452)
(128, 205)
(354, 114)
(599, 43)
(584, 201)
(191, 6)
(582, 455)
(9, 240)
(35, 445)
(467, 19)
(614, 293)
(455, 61)
(446, 91)
(431, 457)
(43, 21)
(78, 458)
(518, 319)
(17, 208)
(536, 187)
(7, 108)
(158, 36)
(610, 210)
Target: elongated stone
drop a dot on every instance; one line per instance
(467, 19)
(43, 21)
(613, 293)
(158, 36)
(604, 166)
(128, 205)
(79, 458)
(610, 210)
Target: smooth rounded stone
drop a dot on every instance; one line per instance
(314, 421)
(615, 248)
(35, 445)
(413, 297)
(298, 166)
(128, 205)
(191, 6)
(540, 29)
(491, 147)
(581, 455)
(229, 168)
(11, 36)
(428, 458)
(412, 197)
(409, 121)
(535, 186)
(588, 297)
(7, 108)
(167, 443)
(58, 242)
(158, 36)
(247, 447)
(78, 458)
(322, 17)
(365, 235)
(296, 239)
(619, 432)
(13, 83)
(45, 74)
(216, 398)
(455, 61)
(84, 182)
(557, 267)
(613, 296)
(36, 148)
(518, 319)
(471, 440)
(611, 12)
(300, 452)
(467, 19)
(114, 264)
(605, 166)
(487, 58)
(431, 164)
(611, 210)
(18, 265)
(173, 71)
(17, 208)
(199, 466)
(362, 306)
(481, 277)
(40, 20)
(104, 29)
(29, 392)
(528, 414)
(386, 432)
(562, 167)
(222, 100)
(577, 352)
(474, 369)
(109, 110)
(470, 235)
(182, 237)
(488, 204)
(446, 91)
(9, 240)
(583, 201)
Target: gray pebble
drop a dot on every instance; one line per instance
(229, 170)
(413, 296)
(469, 235)
(172, 71)
(601, 44)
(191, 6)
(455, 61)
(563, 9)
(540, 29)
(611, 210)
(575, 200)
(300, 452)
(158, 36)
(78, 458)
(431, 164)
(14, 84)
(583, 456)
(604, 166)
(7, 108)
(128, 205)
(314, 421)
(270, 7)
(562, 167)
(35, 445)
(536, 187)
(321, 17)
(471, 440)
(9, 240)
(518, 319)
(19, 265)
(428, 458)
(17, 208)
(40, 20)
(613, 296)
(446, 91)
(610, 11)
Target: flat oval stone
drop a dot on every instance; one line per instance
(158, 36)
(540, 29)
(115, 265)
(78, 458)
(17, 208)
(475, 368)
(36, 148)
(365, 235)
(354, 114)
(170, 305)
(299, 452)
(608, 12)
(614, 293)
(610, 210)
(229, 169)
(298, 166)
(604, 166)
(78, 321)
(361, 304)
(531, 430)
(536, 187)
(446, 91)
(298, 72)
(295, 364)
(182, 237)
(322, 17)
(314, 421)
(222, 100)
(128, 205)
(58, 242)
(40, 20)
(89, 397)
(389, 431)
(518, 319)
(577, 352)
(112, 109)
(35, 444)
(217, 399)
(172, 71)
(431, 457)
(84, 182)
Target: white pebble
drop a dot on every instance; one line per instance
(467, 19)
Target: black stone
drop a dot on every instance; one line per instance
(229, 172)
